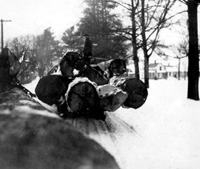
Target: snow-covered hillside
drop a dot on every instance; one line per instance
(165, 131)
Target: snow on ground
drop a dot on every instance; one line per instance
(31, 86)
(167, 129)
(168, 125)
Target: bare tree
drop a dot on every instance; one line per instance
(181, 52)
(134, 6)
(153, 19)
(148, 18)
(130, 32)
(193, 54)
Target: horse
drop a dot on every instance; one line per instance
(70, 61)
(113, 67)
(117, 67)
(10, 68)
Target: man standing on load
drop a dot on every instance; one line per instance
(87, 50)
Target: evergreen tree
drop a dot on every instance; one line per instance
(48, 50)
(102, 25)
(72, 40)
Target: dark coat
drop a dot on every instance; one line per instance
(87, 50)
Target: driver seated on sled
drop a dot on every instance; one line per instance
(87, 50)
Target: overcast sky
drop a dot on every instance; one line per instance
(33, 16)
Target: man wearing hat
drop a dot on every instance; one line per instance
(87, 50)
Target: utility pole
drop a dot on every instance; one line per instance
(2, 21)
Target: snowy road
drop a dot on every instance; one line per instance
(163, 134)
(114, 134)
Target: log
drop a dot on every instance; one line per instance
(51, 88)
(82, 99)
(111, 97)
(136, 89)
(32, 137)
(95, 75)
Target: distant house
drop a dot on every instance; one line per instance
(160, 71)
(157, 71)
(172, 71)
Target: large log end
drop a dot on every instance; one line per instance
(137, 93)
(50, 89)
(111, 97)
(82, 99)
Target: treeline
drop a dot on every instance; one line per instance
(111, 37)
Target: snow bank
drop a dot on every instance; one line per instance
(167, 128)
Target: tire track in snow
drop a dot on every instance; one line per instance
(116, 135)
(113, 144)
(127, 141)
(113, 128)
(125, 125)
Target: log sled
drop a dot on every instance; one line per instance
(33, 137)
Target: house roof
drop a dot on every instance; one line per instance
(171, 68)
(153, 65)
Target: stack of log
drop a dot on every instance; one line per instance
(90, 92)
(32, 137)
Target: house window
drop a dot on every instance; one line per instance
(160, 67)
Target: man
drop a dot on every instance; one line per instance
(87, 50)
